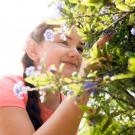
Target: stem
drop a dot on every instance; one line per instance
(45, 88)
(129, 95)
(128, 128)
(117, 98)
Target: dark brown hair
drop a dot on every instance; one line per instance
(33, 97)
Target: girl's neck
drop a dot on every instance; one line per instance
(53, 101)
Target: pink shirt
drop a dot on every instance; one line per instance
(8, 98)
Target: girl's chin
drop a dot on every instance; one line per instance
(67, 73)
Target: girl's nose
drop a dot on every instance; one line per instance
(73, 53)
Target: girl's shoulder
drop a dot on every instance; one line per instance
(7, 95)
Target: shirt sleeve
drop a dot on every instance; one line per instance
(7, 96)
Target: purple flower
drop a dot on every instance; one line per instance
(115, 17)
(110, 73)
(49, 35)
(88, 85)
(70, 93)
(108, 32)
(133, 31)
(60, 5)
(94, 92)
(30, 71)
(19, 90)
(92, 120)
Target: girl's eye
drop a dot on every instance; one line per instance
(65, 43)
(80, 49)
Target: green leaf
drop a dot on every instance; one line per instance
(107, 124)
(123, 7)
(122, 76)
(130, 2)
(129, 54)
(37, 81)
(131, 66)
(67, 80)
(73, 1)
(56, 21)
(89, 2)
(95, 51)
(131, 19)
(76, 88)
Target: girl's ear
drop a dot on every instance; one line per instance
(32, 50)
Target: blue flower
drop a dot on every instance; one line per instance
(70, 93)
(30, 71)
(133, 31)
(19, 90)
(88, 85)
(110, 73)
(49, 35)
(60, 5)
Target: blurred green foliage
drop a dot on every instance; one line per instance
(114, 100)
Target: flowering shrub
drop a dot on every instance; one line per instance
(114, 100)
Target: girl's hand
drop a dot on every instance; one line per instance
(105, 38)
(107, 35)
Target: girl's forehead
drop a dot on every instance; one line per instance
(70, 35)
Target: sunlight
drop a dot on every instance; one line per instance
(18, 18)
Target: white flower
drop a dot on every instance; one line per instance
(60, 5)
(42, 96)
(133, 31)
(19, 90)
(115, 17)
(113, 1)
(39, 68)
(63, 28)
(104, 10)
(30, 71)
(63, 37)
(49, 35)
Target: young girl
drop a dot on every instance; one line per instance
(28, 116)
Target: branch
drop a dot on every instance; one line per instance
(128, 128)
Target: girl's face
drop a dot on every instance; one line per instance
(60, 51)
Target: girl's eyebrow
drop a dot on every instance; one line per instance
(82, 43)
(68, 37)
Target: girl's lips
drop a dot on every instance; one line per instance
(70, 63)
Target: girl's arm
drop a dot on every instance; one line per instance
(15, 121)
(65, 120)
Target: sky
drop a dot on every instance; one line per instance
(17, 20)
